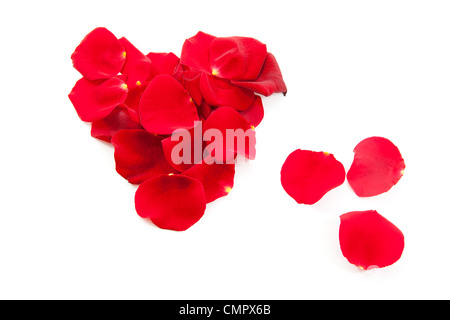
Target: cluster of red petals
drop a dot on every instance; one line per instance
(367, 239)
(141, 103)
(240, 61)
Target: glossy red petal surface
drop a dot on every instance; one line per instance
(269, 81)
(255, 113)
(221, 93)
(119, 119)
(166, 106)
(163, 63)
(217, 179)
(137, 65)
(99, 56)
(368, 240)
(237, 58)
(227, 119)
(308, 175)
(376, 168)
(139, 155)
(172, 202)
(195, 52)
(94, 100)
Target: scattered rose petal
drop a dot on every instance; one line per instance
(94, 100)
(269, 81)
(99, 56)
(172, 202)
(308, 175)
(221, 93)
(166, 106)
(377, 167)
(237, 58)
(225, 120)
(217, 179)
(139, 155)
(369, 240)
(119, 119)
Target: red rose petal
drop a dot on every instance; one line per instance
(166, 106)
(94, 100)
(137, 65)
(220, 121)
(172, 202)
(307, 175)
(204, 110)
(369, 240)
(377, 167)
(99, 56)
(195, 52)
(237, 58)
(269, 81)
(217, 179)
(221, 93)
(133, 100)
(255, 113)
(139, 155)
(163, 63)
(119, 119)
(177, 138)
(190, 80)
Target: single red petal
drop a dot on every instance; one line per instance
(190, 80)
(217, 179)
(220, 93)
(228, 133)
(308, 175)
(255, 113)
(368, 240)
(119, 119)
(175, 146)
(99, 56)
(137, 65)
(163, 63)
(139, 155)
(376, 168)
(195, 52)
(269, 81)
(172, 202)
(237, 58)
(166, 106)
(94, 100)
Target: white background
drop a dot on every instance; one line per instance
(354, 69)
